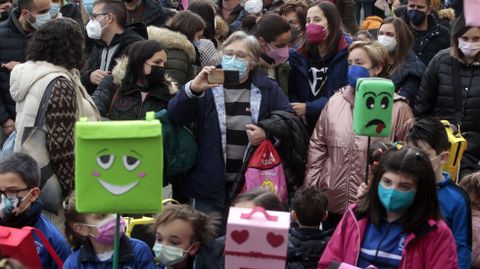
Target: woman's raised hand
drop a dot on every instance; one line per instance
(200, 82)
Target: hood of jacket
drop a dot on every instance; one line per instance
(120, 70)
(20, 84)
(172, 40)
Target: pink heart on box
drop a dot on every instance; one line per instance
(275, 240)
(240, 236)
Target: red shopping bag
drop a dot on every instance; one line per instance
(19, 244)
(265, 171)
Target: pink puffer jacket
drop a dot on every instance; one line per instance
(432, 247)
(336, 156)
(476, 238)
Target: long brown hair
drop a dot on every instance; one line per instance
(411, 162)
(335, 28)
(404, 38)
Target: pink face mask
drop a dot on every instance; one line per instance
(469, 49)
(315, 34)
(106, 230)
(280, 55)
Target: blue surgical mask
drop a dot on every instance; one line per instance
(355, 72)
(7, 206)
(88, 5)
(394, 200)
(54, 9)
(40, 20)
(235, 64)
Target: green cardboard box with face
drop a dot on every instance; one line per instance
(372, 111)
(119, 166)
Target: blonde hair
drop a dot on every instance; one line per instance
(471, 185)
(252, 44)
(376, 52)
(204, 226)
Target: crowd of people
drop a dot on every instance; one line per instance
(296, 65)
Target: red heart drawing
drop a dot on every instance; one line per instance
(275, 240)
(240, 236)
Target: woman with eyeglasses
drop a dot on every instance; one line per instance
(398, 224)
(336, 155)
(225, 116)
(138, 84)
(274, 34)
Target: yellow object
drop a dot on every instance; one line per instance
(458, 144)
(131, 222)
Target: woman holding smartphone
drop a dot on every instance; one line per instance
(225, 116)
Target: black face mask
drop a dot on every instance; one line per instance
(416, 17)
(4, 15)
(156, 76)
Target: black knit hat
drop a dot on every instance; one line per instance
(459, 28)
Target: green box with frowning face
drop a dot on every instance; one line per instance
(119, 166)
(372, 111)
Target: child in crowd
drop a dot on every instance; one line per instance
(265, 199)
(92, 238)
(398, 224)
(430, 136)
(213, 257)
(181, 232)
(20, 205)
(471, 184)
(309, 209)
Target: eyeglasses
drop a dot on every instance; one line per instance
(237, 53)
(94, 16)
(13, 193)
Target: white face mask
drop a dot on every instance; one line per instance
(94, 29)
(40, 20)
(168, 255)
(389, 42)
(469, 49)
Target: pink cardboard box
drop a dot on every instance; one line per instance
(471, 8)
(256, 239)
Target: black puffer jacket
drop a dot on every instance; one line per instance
(407, 80)
(128, 104)
(434, 40)
(306, 248)
(154, 14)
(291, 141)
(13, 46)
(436, 98)
(124, 40)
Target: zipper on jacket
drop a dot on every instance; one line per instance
(467, 90)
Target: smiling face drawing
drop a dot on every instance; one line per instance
(130, 161)
(373, 107)
(119, 166)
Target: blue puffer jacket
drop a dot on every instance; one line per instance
(298, 83)
(133, 254)
(206, 179)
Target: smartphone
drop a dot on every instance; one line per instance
(220, 76)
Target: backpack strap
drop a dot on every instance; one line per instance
(114, 99)
(42, 108)
(47, 245)
(457, 91)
